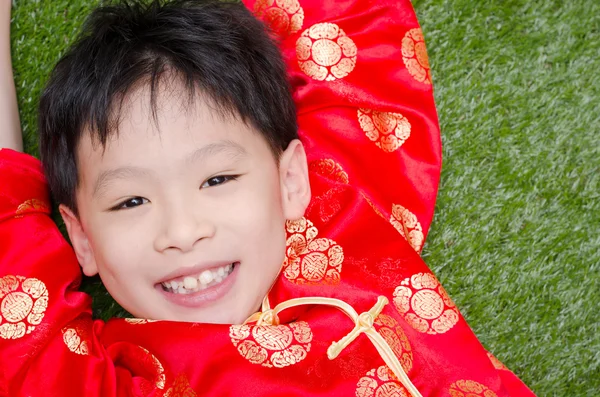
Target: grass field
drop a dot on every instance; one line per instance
(516, 238)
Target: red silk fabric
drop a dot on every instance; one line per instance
(366, 114)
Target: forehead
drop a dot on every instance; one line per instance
(171, 121)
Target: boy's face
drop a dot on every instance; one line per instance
(185, 221)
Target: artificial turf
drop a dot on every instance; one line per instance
(516, 237)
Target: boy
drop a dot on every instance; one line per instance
(168, 137)
(187, 164)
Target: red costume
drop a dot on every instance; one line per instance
(367, 118)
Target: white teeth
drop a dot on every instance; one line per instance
(190, 283)
(206, 279)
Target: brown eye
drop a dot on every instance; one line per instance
(218, 180)
(131, 203)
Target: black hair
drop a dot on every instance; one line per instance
(217, 48)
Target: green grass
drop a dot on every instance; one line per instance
(516, 234)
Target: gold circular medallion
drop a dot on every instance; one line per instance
(15, 306)
(310, 260)
(324, 52)
(380, 382)
(425, 304)
(407, 224)
(470, 388)
(388, 130)
(284, 17)
(272, 345)
(273, 337)
(23, 302)
(315, 265)
(414, 55)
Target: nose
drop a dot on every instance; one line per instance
(183, 225)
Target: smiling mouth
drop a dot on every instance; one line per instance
(204, 280)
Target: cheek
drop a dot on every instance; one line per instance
(262, 209)
(118, 250)
(258, 219)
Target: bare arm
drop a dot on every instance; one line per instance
(10, 126)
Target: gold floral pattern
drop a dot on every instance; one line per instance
(395, 337)
(380, 382)
(497, 363)
(311, 260)
(330, 203)
(76, 336)
(272, 345)
(425, 304)
(284, 17)
(470, 388)
(409, 227)
(324, 52)
(330, 169)
(139, 321)
(32, 205)
(414, 55)
(23, 302)
(388, 130)
(150, 360)
(181, 388)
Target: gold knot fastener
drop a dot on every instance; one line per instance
(363, 323)
(268, 317)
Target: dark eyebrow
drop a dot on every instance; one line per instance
(233, 149)
(108, 176)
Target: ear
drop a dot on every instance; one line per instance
(295, 185)
(80, 242)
